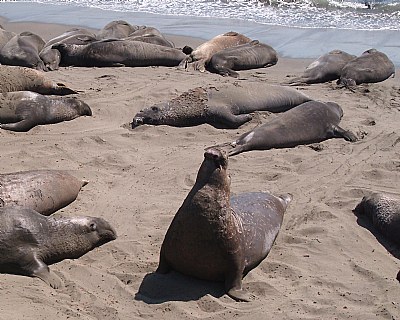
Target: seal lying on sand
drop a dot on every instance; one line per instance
(203, 53)
(29, 242)
(23, 110)
(384, 212)
(372, 66)
(309, 122)
(243, 57)
(215, 238)
(44, 191)
(227, 106)
(26, 79)
(117, 29)
(117, 53)
(23, 50)
(326, 68)
(52, 57)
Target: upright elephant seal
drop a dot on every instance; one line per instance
(117, 29)
(215, 238)
(26, 79)
(23, 50)
(225, 106)
(23, 110)
(29, 242)
(372, 66)
(247, 56)
(118, 53)
(309, 122)
(326, 68)
(384, 212)
(44, 191)
(203, 53)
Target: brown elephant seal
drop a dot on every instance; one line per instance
(372, 66)
(117, 29)
(307, 123)
(203, 53)
(247, 56)
(215, 238)
(29, 242)
(52, 57)
(227, 106)
(384, 212)
(23, 110)
(5, 36)
(23, 50)
(326, 68)
(25, 79)
(44, 191)
(117, 53)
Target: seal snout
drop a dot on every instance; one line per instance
(137, 121)
(217, 155)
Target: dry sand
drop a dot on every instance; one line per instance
(324, 265)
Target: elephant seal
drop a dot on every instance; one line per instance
(215, 238)
(117, 53)
(203, 53)
(23, 110)
(5, 36)
(384, 212)
(247, 56)
(326, 68)
(29, 242)
(25, 79)
(372, 66)
(227, 106)
(117, 29)
(309, 122)
(44, 191)
(154, 39)
(52, 57)
(23, 50)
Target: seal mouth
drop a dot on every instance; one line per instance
(217, 156)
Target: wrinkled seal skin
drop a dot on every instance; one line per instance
(23, 110)
(309, 122)
(23, 50)
(223, 107)
(247, 56)
(203, 53)
(117, 29)
(29, 242)
(52, 57)
(326, 68)
(214, 238)
(372, 66)
(5, 36)
(384, 213)
(25, 79)
(117, 53)
(44, 191)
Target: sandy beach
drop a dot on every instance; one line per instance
(324, 265)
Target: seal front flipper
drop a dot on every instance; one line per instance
(339, 132)
(222, 116)
(42, 271)
(227, 72)
(233, 286)
(163, 266)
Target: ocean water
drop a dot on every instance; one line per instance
(295, 28)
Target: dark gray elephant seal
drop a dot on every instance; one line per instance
(23, 50)
(52, 57)
(29, 242)
(227, 106)
(243, 57)
(25, 79)
(215, 238)
(203, 53)
(44, 191)
(159, 40)
(5, 36)
(326, 68)
(309, 122)
(23, 110)
(117, 29)
(117, 53)
(384, 212)
(372, 66)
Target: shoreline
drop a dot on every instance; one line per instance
(295, 43)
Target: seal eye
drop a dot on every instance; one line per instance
(92, 226)
(155, 109)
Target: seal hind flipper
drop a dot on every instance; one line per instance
(21, 126)
(339, 132)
